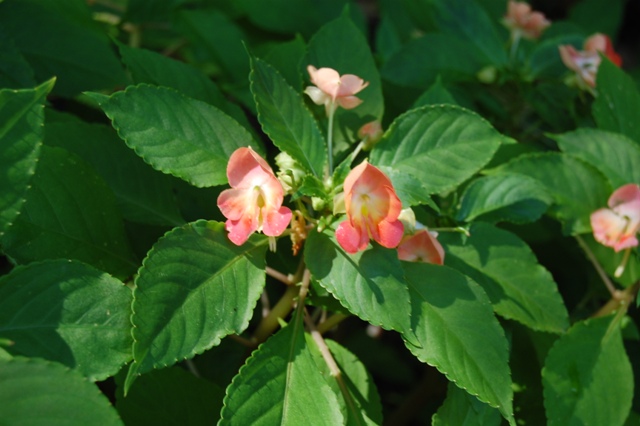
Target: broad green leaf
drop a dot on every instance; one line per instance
(436, 94)
(439, 146)
(512, 197)
(458, 333)
(15, 71)
(21, 119)
(617, 105)
(69, 213)
(341, 45)
(181, 136)
(280, 384)
(69, 312)
(194, 288)
(287, 58)
(615, 155)
(517, 285)
(462, 409)
(38, 392)
(143, 194)
(61, 39)
(587, 377)
(419, 62)
(285, 118)
(170, 396)
(369, 284)
(577, 188)
(598, 16)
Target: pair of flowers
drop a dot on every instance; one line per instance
(254, 203)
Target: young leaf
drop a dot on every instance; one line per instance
(369, 284)
(170, 396)
(519, 288)
(615, 155)
(458, 333)
(70, 213)
(194, 288)
(21, 119)
(143, 194)
(69, 312)
(281, 385)
(34, 391)
(512, 197)
(463, 409)
(175, 134)
(578, 189)
(618, 103)
(587, 376)
(439, 146)
(285, 118)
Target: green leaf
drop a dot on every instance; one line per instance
(170, 396)
(38, 392)
(436, 94)
(512, 197)
(369, 284)
(70, 213)
(285, 118)
(545, 61)
(175, 134)
(280, 384)
(361, 405)
(69, 312)
(21, 118)
(194, 288)
(143, 11)
(615, 155)
(578, 189)
(598, 16)
(463, 409)
(15, 71)
(519, 288)
(287, 58)
(439, 146)
(458, 333)
(617, 105)
(143, 194)
(61, 39)
(341, 45)
(587, 377)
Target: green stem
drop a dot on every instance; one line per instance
(332, 110)
(331, 322)
(270, 323)
(605, 279)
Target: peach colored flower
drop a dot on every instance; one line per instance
(421, 247)
(370, 133)
(254, 202)
(332, 89)
(618, 225)
(372, 208)
(524, 22)
(585, 62)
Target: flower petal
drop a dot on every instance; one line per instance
(276, 221)
(390, 233)
(350, 238)
(421, 247)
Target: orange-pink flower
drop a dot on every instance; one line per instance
(254, 202)
(585, 62)
(618, 225)
(522, 20)
(372, 208)
(421, 247)
(332, 89)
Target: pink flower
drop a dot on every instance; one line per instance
(522, 20)
(421, 247)
(254, 202)
(331, 88)
(370, 133)
(372, 208)
(586, 62)
(618, 225)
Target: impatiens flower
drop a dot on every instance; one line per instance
(372, 208)
(421, 247)
(254, 202)
(585, 62)
(618, 225)
(332, 89)
(523, 22)
(370, 133)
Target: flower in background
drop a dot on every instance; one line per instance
(370, 133)
(618, 225)
(523, 22)
(585, 62)
(331, 89)
(421, 247)
(372, 207)
(254, 202)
